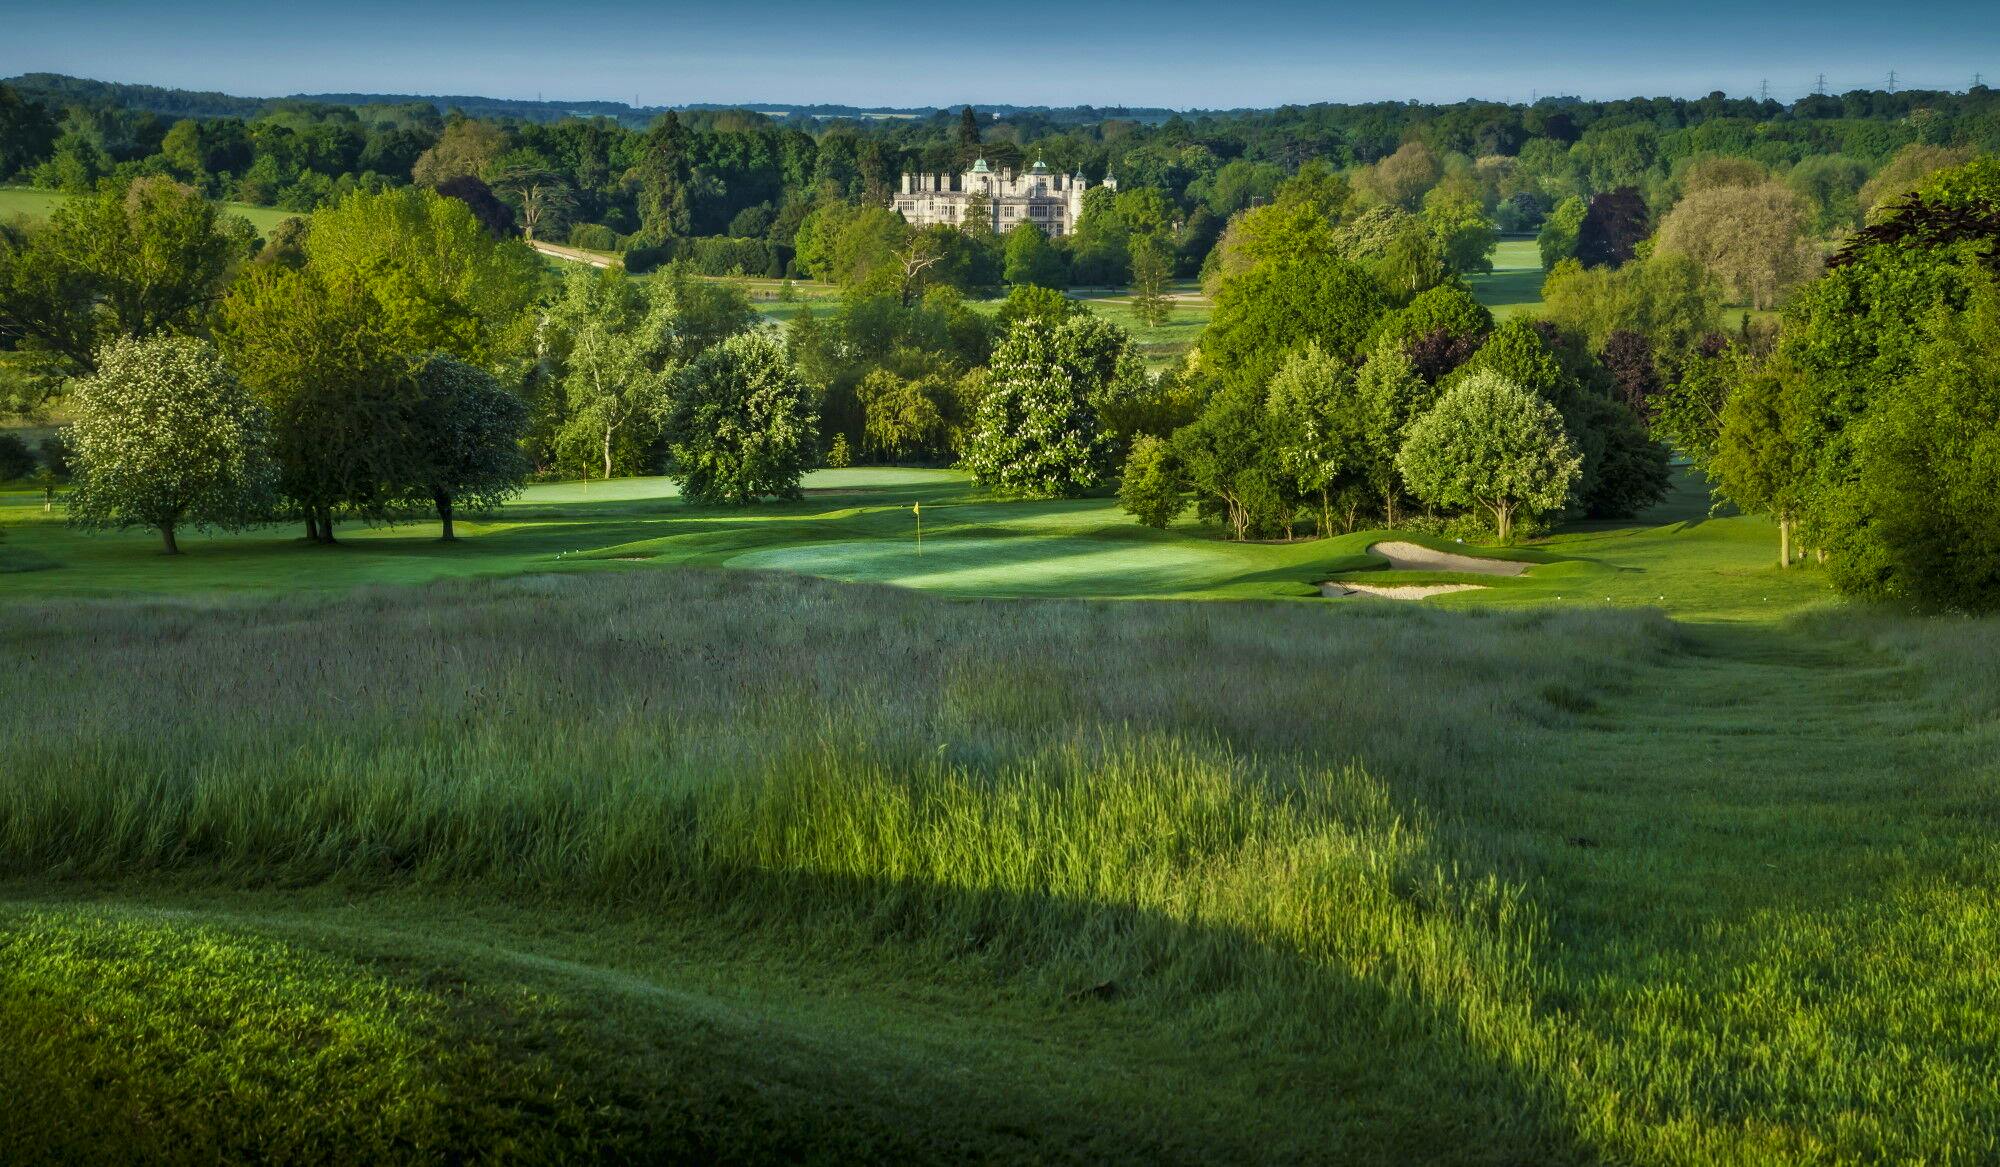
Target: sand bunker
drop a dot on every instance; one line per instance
(1410, 557)
(1336, 588)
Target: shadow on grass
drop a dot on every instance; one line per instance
(509, 1041)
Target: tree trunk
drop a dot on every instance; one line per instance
(1784, 542)
(607, 453)
(443, 501)
(167, 538)
(1503, 519)
(312, 525)
(1389, 507)
(326, 525)
(1325, 515)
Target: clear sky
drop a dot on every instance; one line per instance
(1178, 53)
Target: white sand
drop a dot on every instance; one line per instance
(1337, 588)
(1410, 557)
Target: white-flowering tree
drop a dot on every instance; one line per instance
(163, 436)
(1039, 432)
(741, 423)
(1490, 443)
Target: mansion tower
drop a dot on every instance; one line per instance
(1052, 202)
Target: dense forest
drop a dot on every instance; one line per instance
(607, 176)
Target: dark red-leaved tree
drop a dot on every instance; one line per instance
(1612, 228)
(497, 217)
(1628, 357)
(1915, 222)
(1437, 353)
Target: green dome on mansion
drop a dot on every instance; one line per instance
(980, 167)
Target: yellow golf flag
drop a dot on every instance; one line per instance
(916, 508)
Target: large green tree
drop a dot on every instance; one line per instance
(1762, 460)
(612, 344)
(1491, 443)
(1391, 396)
(1319, 428)
(741, 423)
(1032, 259)
(466, 429)
(147, 258)
(1860, 329)
(1928, 464)
(1264, 313)
(1230, 463)
(330, 358)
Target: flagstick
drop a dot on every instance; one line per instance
(918, 510)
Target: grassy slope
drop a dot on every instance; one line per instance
(553, 871)
(36, 204)
(1634, 891)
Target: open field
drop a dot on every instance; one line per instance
(36, 204)
(598, 851)
(1515, 283)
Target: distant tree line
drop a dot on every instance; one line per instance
(389, 360)
(749, 182)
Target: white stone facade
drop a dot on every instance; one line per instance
(1052, 202)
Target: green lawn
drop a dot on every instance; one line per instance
(857, 526)
(1515, 283)
(36, 204)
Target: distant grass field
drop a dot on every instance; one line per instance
(1515, 283)
(36, 204)
(594, 845)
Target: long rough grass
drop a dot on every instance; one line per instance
(1302, 832)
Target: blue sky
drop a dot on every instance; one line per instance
(1057, 52)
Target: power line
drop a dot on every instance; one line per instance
(1892, 81)
(1819, 86)
(1764, 89)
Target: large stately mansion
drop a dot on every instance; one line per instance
(1053, 202)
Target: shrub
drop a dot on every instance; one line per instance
(16, 460)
